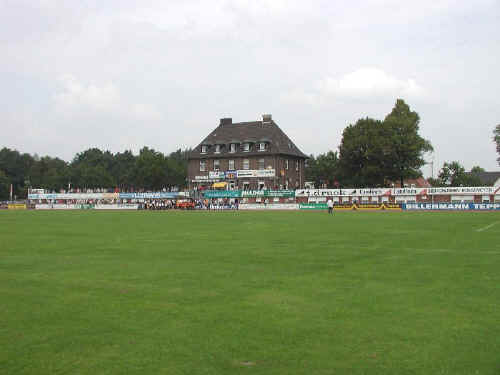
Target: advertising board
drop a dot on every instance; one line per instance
(116, 207)
(451, 206)
(273, 206)
(242, 173)
(16, 206)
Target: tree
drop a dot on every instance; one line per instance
(4, 186)
(16, 166)
(477, 169)
(150, 170)
(324, 169)
(496, 139)
(404, 148)
(361, 153)
(453, 174)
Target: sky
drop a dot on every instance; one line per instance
(122, 74)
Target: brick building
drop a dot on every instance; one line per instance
(253, 155)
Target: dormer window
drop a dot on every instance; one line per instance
(203, 149)
(232, 147)
(262, 146)
(217, 149)
(246, 147)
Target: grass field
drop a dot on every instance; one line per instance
(249, 293)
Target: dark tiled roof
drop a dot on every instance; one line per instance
(418, 182)
(241, 132)
(487, 178)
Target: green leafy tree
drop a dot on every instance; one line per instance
(122, 169)
(323, 170)
(4, 186)
(496, 139)
(16, 166)
(362, 154)
(453, 174)
(477, 169)
(48, 173)
(150, 170)
(403, 148)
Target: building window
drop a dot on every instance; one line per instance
(262, 146)
(261, 164)
(232, 148)
(217, 149)
(297, 165)
(246, 164)
(286, 164)
(216, 164)
(231, 164)
(203, 165)
(203, 149)
(246, 147)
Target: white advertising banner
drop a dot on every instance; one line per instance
(316, 199)
(273, 206)
(408, 191)
(116, 207)
(371, 192)
(242, 173)
(479, 190)
(57, 206)
(323, 192)
(65, 196)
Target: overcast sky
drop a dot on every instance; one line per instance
(120, 74)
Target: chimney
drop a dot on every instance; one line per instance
(226, 121)
(266, 119)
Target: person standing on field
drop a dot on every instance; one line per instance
(330, 206)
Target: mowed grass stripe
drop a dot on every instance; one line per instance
(238, 292)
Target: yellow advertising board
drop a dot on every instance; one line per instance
(16, 206)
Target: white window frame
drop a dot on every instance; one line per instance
(231, 161)
(246, 164)
(262, 163)
(217, 149)
(262, 146)
(216, 167)
(286, 164)
(203, 165)
(232, 148)
(204, 149)
(296, 165)
(246, 147)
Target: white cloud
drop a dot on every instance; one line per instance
(368, 82)
(361, 84)
(75, 97)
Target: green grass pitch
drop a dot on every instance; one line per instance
(249, 293)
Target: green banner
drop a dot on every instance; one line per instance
(313, 206)
(268, 193)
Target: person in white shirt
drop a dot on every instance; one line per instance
(330, 206)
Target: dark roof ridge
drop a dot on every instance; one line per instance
(225, 133)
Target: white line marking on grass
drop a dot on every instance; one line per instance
(486, 227)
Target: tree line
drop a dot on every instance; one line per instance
(91, 169)
(372, 153)
(375, 153)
